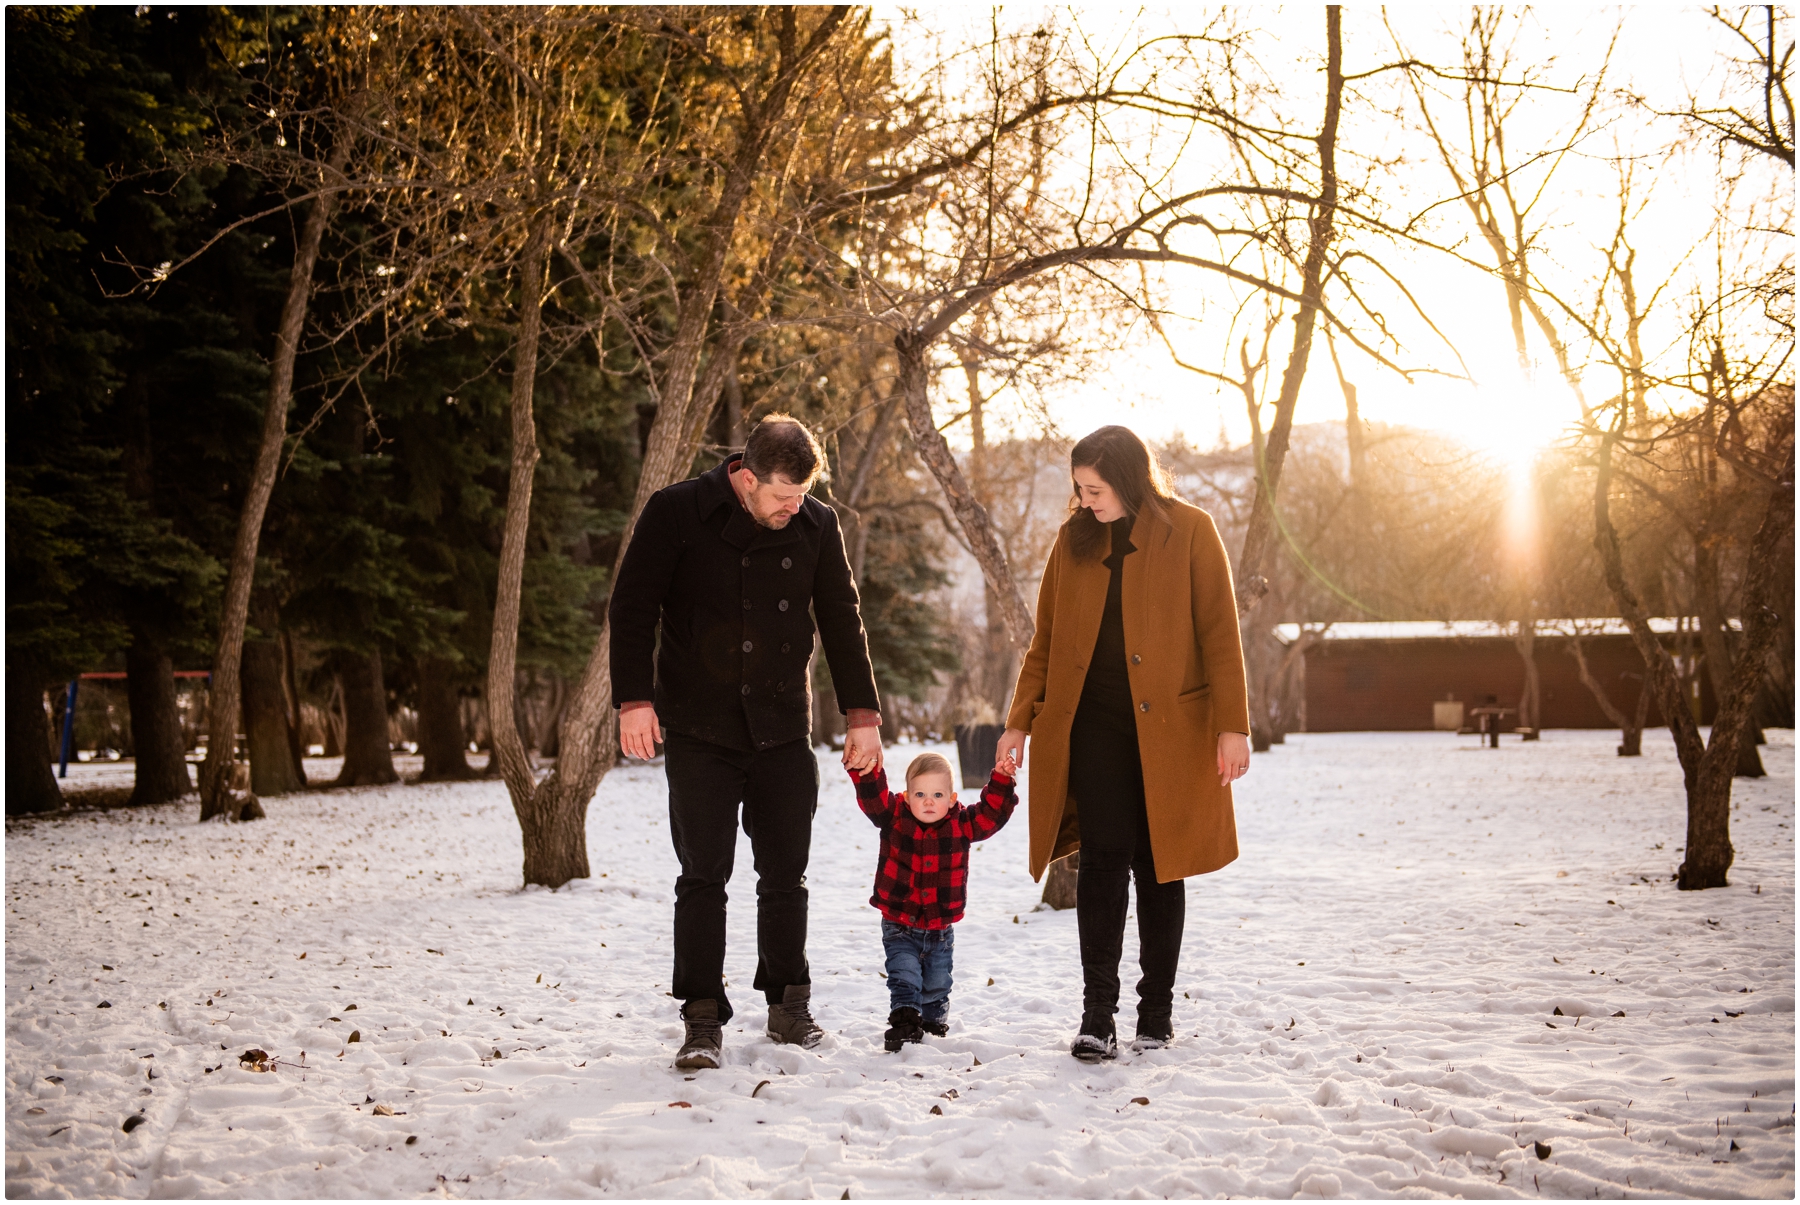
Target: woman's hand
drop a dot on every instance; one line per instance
(1009, 755)
(1234, 757)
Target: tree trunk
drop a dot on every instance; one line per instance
(912, 349)
(215, 782)
(368, 758)
(1632, 744)
(290, 693)
(440, 724)
(334, 718)
(1061, 880)
(1715, 644)
(162, 769)
(30, 779)
(1259, 533)
(1525, 640)
(1707, 769)
(1631, 733)
(553, 814)
(273, 770)
(995, 680)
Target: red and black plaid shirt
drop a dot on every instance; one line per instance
(924, 868)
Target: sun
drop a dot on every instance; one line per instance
(1513, 424)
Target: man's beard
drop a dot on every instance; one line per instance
(775, 522)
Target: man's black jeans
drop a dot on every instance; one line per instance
(1107, 780)
(779, 791)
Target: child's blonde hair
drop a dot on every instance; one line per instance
(929, 763)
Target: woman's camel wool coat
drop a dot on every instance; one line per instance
(1186, 667)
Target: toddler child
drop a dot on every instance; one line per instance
(919, 881)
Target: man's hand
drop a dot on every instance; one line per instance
(1234, 757)
(1010, 752)
(639, 732)
(862, 750)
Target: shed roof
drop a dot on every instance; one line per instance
(1472, 629)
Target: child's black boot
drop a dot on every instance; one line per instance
(937, 1029)
(903, 1027)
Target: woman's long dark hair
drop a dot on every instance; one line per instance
(1127, 464)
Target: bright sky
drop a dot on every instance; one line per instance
(1662, 52)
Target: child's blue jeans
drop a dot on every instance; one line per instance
(918, 969)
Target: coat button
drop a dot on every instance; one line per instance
(782, 605)
(787, 562)
(1136, 660)
(743, 690)
(1143, 706)
(780, 686)
(747, 646)
(746, 604)
(746, 562)
(784, 648)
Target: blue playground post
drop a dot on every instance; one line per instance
(68, 735)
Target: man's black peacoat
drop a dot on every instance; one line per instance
(736, 603)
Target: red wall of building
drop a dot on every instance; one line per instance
(1390, 685)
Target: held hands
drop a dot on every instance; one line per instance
(862, 750)
(639, 732)
(1234, 757)
(1009, 755)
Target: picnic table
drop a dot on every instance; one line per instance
(1487, 722)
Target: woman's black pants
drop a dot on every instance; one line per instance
(1106, 779)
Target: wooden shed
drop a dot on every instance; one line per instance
(1393, 677)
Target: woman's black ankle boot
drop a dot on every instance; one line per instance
(1097, 1040)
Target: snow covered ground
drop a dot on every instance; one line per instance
(1368, 1003)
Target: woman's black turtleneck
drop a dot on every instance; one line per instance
(1108, 683)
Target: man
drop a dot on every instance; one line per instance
(730, 564)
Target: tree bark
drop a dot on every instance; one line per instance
(368, 757)
(161, 755)
(30, 779)
(273, 770)
(1258, 535)
(440, 724)
(215, 779)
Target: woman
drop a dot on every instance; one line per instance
(1134, 678)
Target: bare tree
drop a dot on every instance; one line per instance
(1762, 124)
(1631, 727)
(1707, 767)
(215, 797)
(568, 220)
(1003, 232)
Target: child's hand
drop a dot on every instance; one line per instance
(1008, 765)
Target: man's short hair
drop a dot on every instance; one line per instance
(782, 444)
(929, 763)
